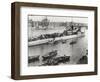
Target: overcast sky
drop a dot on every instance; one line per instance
(59, 18)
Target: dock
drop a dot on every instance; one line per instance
(43, 41)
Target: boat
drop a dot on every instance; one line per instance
(73, 42)
(49, 55)
(63, 41)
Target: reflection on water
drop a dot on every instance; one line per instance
(75, 48)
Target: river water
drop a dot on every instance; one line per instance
(75, 51)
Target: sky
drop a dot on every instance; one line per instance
(59, 18)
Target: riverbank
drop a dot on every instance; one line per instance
(38, 42)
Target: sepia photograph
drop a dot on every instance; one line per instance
(57, 40)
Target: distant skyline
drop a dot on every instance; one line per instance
(59, 18)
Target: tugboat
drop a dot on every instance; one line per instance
(57, 60)
(73, 42)
(49, 55)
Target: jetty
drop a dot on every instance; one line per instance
(44, 41)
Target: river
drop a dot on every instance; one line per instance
(75, 51)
